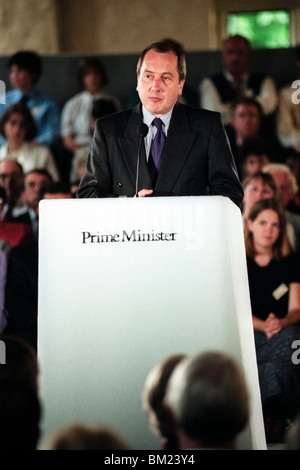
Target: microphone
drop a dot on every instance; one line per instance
(142, 130)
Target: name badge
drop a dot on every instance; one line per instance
(280, 291)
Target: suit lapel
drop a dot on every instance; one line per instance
(179, 141)
(129, 144)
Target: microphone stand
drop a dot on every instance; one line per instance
(142, 131)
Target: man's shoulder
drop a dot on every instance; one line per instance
(197, 112)
(77, 98)
(42, 97)
(12, 96)
(116, 119)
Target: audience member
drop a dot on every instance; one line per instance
(4, 245)
(12, 233)
(292, 440)
(274, 283)
(287, 187)
(56, 190)
(34, 182)
(285, 181)
(220, 91)
(21, 362)
(152, 400)
(255, 153)
(79, 165)
(78, 436)
(258, 186)
(12, 180)
(20, 415)
(246, 124)
(288, 115)
(25, 69)
(208, 401)
(18, 127)
(76, 114)
(100, 107)
(20, 407)
(21, 293)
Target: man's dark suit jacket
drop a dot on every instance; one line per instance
(196, 160)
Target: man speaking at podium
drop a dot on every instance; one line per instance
(160, 147)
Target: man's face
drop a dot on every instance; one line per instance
(158, 83)
(246, 121)
(256, 190)
(236, 57)
(34, 183)
(11, 179)
(21, 79)
(15, 128)
(92, 81)
(255, 162)
(284, 185)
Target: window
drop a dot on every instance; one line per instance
(266, 29)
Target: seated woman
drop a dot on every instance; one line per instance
(254, 154)
(18, 127)
(100, 107)
(76, 113)
(274, 283)
(258, 186)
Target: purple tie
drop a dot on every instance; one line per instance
(157, 143)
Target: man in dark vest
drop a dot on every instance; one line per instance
(220, 91)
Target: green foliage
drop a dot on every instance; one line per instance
(265, 29)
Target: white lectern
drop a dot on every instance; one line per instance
(123, 283)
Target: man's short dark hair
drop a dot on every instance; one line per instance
(248, 101)
(102, 107)
(40, 171)
(91, 63)
(163, 47)
(27, 60)
(56, 187)
(237, 37)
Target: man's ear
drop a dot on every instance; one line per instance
(180, 87)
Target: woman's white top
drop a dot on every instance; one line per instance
(32, 156)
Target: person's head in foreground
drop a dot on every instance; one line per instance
(207, 400)
(153, 396)
(79, 436)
